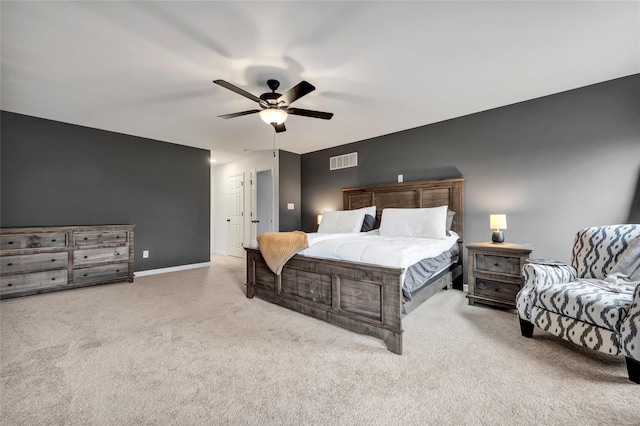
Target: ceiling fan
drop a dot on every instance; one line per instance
(275, 107)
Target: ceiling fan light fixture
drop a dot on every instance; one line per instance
(273, 115)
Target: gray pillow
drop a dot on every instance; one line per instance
(369, 223)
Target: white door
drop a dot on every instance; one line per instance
(261, 202)
(265, 201)
(235, 215)
(254, 205)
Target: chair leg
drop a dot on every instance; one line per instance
(526, 328)
(633, 368)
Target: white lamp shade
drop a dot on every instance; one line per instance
(273, 115)
(498, 221)
(319, 219)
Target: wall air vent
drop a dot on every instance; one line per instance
(343, 161)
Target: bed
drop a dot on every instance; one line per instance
(362, 297)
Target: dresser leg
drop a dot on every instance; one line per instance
(526, 328)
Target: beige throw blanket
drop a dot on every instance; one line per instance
(278, 247)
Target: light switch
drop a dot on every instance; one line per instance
(290, 206)
(400, 178)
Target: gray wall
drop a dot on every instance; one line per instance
(554, 165)
(290, 187)
(61, 174)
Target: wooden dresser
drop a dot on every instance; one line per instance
(495, 272)
(42, 259)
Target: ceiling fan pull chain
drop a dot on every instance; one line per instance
(274, 144)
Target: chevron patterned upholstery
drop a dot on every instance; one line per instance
(574, 302)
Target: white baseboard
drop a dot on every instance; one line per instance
(171, 269)
(219, 252)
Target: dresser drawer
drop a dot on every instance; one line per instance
(100, 255)
(104, 272)
(498, 264)
(496, 290)
(34, 262)
(105, 237)
(25, 282)
(36, 240)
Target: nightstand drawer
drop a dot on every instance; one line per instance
(497, 290)
(498, 264)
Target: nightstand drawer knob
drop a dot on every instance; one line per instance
(496, 264)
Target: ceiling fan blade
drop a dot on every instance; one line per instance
(238, 90)
(309, 113)
(296, 92)
(279, 127)
(239, 114)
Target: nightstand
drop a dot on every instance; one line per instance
(494, 272)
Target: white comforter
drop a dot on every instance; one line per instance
(370, 247)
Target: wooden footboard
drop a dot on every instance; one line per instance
(359, 297)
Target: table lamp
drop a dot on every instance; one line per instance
(497, 222)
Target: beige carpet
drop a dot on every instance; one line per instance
(188, 348)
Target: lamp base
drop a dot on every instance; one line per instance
(497, 237)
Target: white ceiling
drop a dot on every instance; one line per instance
(146, 68)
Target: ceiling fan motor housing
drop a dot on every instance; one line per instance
(270, 98)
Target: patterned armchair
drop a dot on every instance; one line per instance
(595, 301)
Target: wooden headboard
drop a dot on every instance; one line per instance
(427, 193)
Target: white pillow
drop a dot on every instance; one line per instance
(369, 210)
(423, 223)
(341, 221)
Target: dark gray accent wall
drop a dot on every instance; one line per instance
(56, 174)
(554, 165)
(289, 187)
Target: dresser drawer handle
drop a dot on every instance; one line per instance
(117, 270)
(53, 279)
(10, 285)
(86, 257)
(10, 242)
(117, 237)
(53, 241)
(53, 260)
(9, 264)
(496, 264)
(85, 275)
(117, 254)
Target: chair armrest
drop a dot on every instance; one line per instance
(630, 330)
(540, 275)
